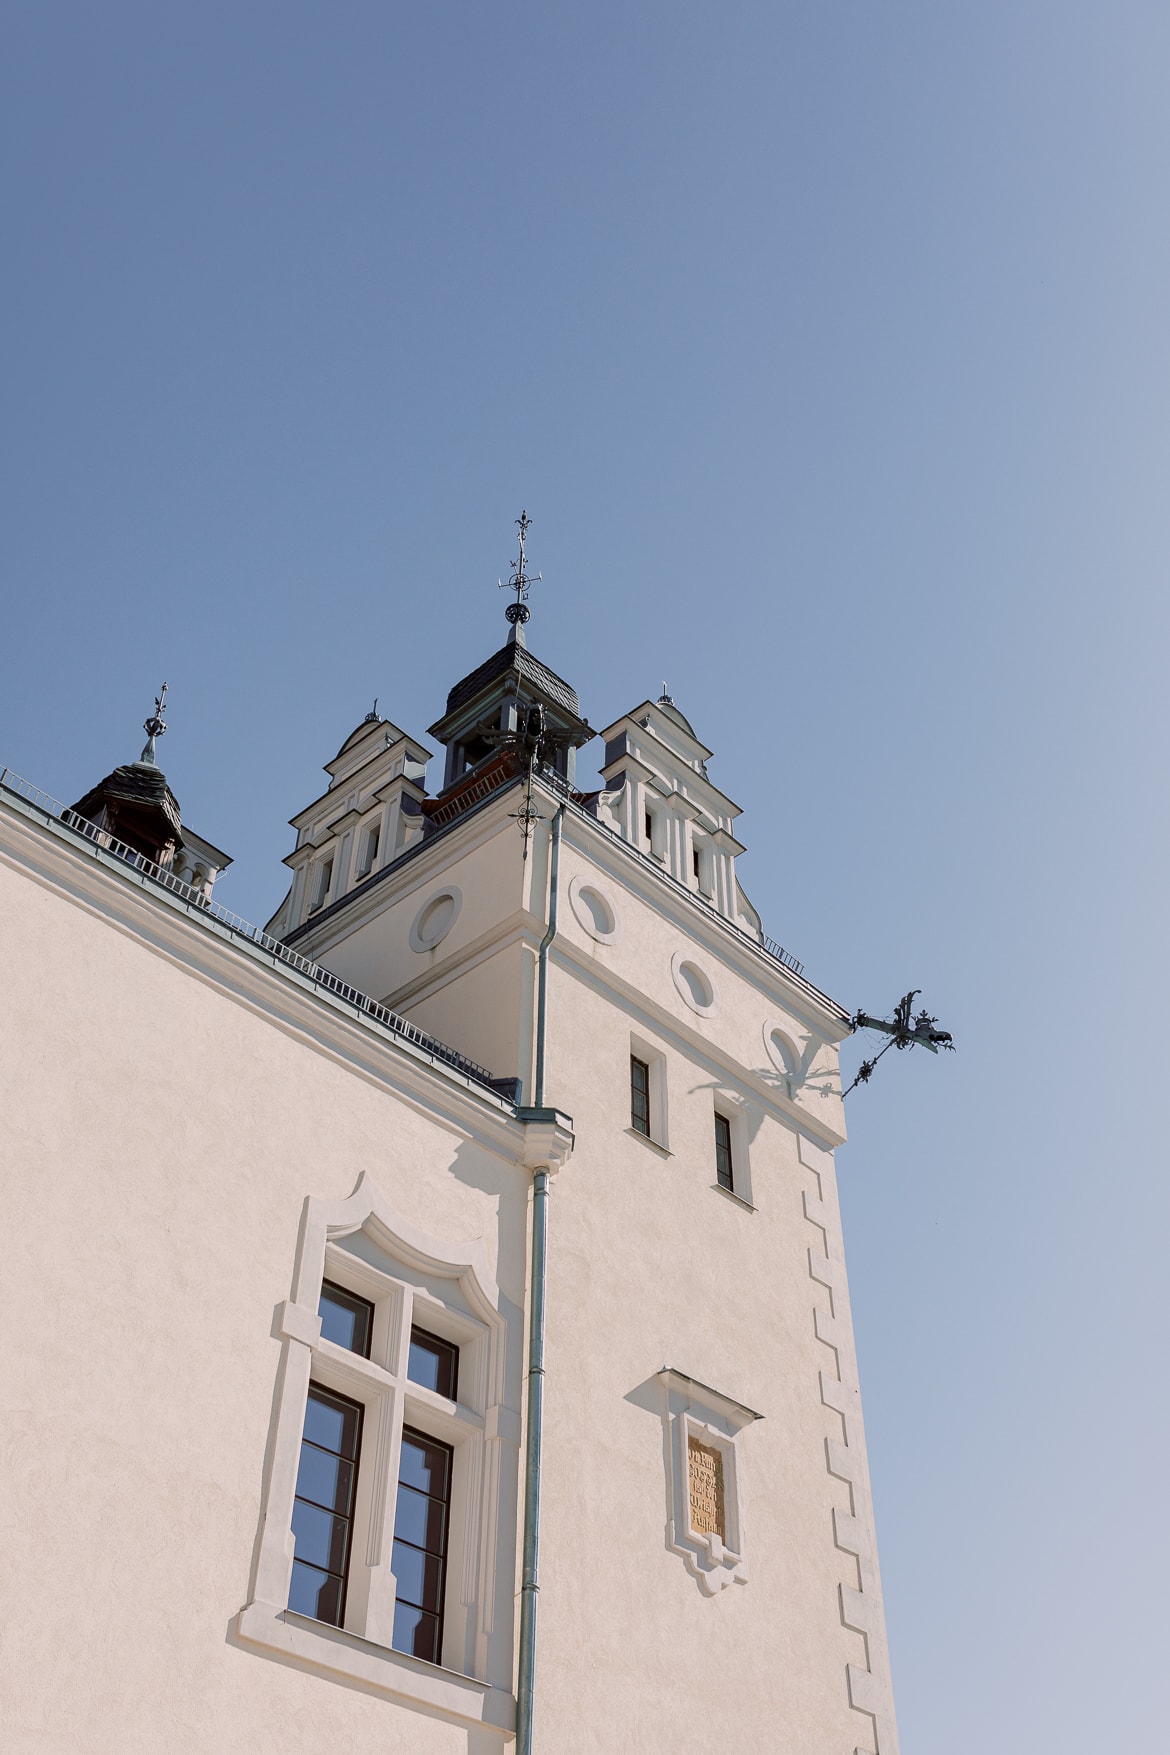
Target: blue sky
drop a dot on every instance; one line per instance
(827, 347)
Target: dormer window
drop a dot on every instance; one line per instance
(369, 850)
(703, 866)
(322, 881)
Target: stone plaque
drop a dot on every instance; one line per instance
(708, 1516)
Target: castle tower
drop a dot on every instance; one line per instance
(478, 1355)
(702, 1413)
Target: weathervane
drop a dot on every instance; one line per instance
(518, 613)
(155, 727)
(903, 1031)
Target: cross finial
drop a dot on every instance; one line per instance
(155, 727)
(518, 613)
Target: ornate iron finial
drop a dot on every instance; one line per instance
(155, 727)
(372, 715)
(520, 582)
(665, 699)
(903, 1030)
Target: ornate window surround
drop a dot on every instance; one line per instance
(360, 1243)
(695, 1411)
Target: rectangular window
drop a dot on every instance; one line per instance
(695, 862)
(346, 1319)
(649, 829)
(723, 1166)
(639, 1096)
(369, 851)
(420, 1544)
(323, 1508)
(323, 881)
(434, 1363)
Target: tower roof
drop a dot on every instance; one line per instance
(527, 668)
(140, 786)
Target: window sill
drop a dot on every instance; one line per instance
(730, 1194)
(395, 1675)
(647, 1141)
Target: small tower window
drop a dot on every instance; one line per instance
(321, 888)
(695, 862)
(724, 1170)
(639, 1096)
(369, 850)
(649, 829)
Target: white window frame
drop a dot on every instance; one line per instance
(703, 853)
(695, 1410)
(659, 1093)
(733, 1109)
(362, 1245)
(322, 881)
(368, 856)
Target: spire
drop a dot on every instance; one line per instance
(665, 699)
(518, 613)
(155, 727)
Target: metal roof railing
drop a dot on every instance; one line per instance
(90, 835)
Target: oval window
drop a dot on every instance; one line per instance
(696, 986)
(597, 911)
(436, 919)
(594, 911)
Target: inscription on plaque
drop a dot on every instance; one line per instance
(708, 1517)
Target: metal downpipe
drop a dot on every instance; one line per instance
(530, 1586)
(542, 955)
(530, 1579)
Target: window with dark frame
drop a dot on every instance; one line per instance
(723, 1166)
(346, 1319)
(639, 1096)
(421, 1520)
(434, 1363)
(323, 1507)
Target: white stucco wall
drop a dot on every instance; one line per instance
(166, 1105)
(160, 1135)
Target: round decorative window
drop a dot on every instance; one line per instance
(435, 919)
(593, 910)
(693, 983)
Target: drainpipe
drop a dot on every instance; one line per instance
(530, 1583)
(530, 1586)
(542, 956)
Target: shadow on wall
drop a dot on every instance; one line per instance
(652, 1398)
(509, 1185)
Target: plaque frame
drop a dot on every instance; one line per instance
(694, 1410)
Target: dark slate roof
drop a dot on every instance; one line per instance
(139, 783)
(518, 658)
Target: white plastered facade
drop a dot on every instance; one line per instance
(179, 1189)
